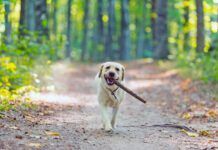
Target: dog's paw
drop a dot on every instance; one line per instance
(108, 129)
(114, 127)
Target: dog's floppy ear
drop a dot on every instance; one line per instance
(123, 70)
(100, 71)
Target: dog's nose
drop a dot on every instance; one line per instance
(111, 74)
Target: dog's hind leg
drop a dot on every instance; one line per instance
(105, 118)
(114, 116)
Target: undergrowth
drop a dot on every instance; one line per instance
(18, 70)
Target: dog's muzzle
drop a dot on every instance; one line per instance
(110, 78)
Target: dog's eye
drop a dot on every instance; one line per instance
(108, 67)
(117, 69)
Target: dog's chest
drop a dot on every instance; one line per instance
(114, 99)
(111, 103)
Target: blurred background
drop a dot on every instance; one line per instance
(98, 30)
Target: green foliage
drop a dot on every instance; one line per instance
(14, 82)
(30, 47)
(11, 76)
(202, 66)
(18, 71)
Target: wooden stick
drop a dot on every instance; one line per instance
(129, 91)
(175, 126)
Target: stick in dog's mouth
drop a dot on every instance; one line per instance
(110, 80)
(129, 91)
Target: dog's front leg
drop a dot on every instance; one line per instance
(116, 97)
(114, 116)
(105, 118)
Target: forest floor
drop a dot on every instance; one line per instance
(68, 115)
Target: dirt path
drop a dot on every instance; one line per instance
(69, 118)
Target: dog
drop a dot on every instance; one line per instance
(109, 94)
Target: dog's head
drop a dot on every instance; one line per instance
(111, 71)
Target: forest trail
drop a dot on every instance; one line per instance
(69, 116)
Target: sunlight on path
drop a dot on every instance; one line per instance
(75, 99)
(53, 98)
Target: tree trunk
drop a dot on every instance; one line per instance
(153, 21)
(41, 21)
(161, 46)
(7, 24)
(125, 33)
(214, 40)
(110, 31)
(54, 2)
(200, 26)
(100, 32)
(22, 20)
(68, 32)
(85, 30)
(141, 32)
(186, 45)
(100, 23)
(30, 15)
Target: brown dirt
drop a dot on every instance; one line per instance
(68, 117)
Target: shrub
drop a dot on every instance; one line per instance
(202, 66)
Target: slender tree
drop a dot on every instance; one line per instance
(100, 32)
(125, 32)
(200, 26)
(22, 20)
(100, 24)
(141, 32)
(186, 45)
(54, 17)
(68, 32)
(7, 23)
(153, 20)
(161, 45)
(41, 21)
(214, 35)
(30, 15)
(85, 30)
(110, 30)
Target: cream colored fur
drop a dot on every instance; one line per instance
(109, 96)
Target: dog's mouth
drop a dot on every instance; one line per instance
(110, 80)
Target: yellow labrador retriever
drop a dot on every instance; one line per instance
(109, 94)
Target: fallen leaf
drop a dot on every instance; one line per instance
(186, 116)
(204, 133)
(2, 116)
(14, 127)
(46, 113)
(51, 133)
(185, 85)
(1, 125)
(212, 113)
(191, 134)
(36, 145)
(18, 137)
(31, 118)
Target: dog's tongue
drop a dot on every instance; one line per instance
(110, 81)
